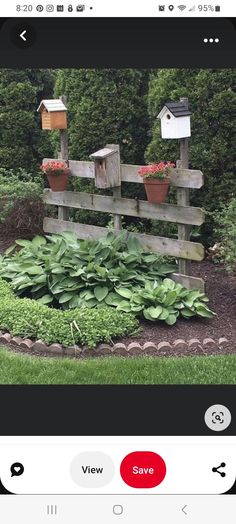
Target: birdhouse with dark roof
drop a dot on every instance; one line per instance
(53, 114)
(175, 120)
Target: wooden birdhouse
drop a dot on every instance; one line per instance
(53, 114)
(175, 120)
(107, 168)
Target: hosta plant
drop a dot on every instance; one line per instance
(115, 271)
(66, 272)
(166, 301)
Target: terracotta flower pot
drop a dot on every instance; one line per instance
(157, 190)
(58, 182)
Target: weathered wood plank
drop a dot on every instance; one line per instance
(179, 177)
(183, 199)
(189, 282)
(126, 206)
(165, 246)
(116, 191)
(82, 169)
(102, 153)
(63, 212)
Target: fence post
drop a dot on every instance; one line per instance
(183, 198)
(63, 212)
(116, 190)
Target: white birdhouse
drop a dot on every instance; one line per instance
(175, 120)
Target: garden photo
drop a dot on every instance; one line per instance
(117, 226)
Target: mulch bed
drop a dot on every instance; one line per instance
(221, 290)
(7, 238)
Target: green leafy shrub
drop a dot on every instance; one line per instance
(5, 290)
(106, 106)
(20, 174)
(67, 272)
(12, 187)
(166, 301)
(29, 318)
(226, 234)
(22, 141)
(21, 205)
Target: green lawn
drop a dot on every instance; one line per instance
(24, 369)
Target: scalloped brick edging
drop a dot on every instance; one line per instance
(117, 349)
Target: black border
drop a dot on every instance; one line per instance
(121, 42)
(112, 410)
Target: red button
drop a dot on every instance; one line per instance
(143, 469)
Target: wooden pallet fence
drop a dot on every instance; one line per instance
(118, 206)
(126, 206)
(190, 178)
(165, 246)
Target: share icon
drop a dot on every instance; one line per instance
(221, 473)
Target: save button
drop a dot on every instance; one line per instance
(143, 469)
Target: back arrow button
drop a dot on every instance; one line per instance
(184, 509)
(22, 35)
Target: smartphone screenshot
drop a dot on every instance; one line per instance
(117, 262)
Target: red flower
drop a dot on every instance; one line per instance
(54, 167)
(155, 170)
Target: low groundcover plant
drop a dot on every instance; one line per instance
(28, 318)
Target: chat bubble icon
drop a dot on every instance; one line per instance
(17, 469)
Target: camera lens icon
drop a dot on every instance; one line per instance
(50, 8)
(217, 417)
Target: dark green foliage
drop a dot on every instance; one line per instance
(212, 101)
(69, 273)
(106, 106)
(22, 142)
(28, 318)
(226, 234)
(20, 174)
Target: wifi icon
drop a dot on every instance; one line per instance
(182, 7)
